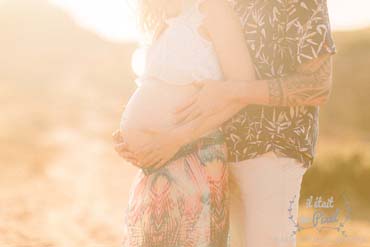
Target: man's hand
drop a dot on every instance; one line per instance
(212, 98)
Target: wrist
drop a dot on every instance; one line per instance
(240, 92)
(252, 92)
(275, 92)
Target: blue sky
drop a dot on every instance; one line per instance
(115, 19)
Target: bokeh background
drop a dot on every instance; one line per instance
(65, 75)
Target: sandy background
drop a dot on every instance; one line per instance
(62, 89)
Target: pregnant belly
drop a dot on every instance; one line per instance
(150, 110)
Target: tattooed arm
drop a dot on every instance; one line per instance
(310, 85)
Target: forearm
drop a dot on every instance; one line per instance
(309, 86)
(202, 126)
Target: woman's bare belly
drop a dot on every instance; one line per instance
(150, 110)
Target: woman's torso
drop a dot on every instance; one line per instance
(177, 59)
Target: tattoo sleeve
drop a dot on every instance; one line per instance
(308, 86)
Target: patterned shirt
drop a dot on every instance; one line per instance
(281, 34)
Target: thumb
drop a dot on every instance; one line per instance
(117, 135)
(198, 84)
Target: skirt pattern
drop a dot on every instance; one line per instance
(184, 203)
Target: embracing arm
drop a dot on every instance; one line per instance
(310, 85)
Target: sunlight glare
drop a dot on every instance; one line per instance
(138, 61)
(116, 19)
(113, 19)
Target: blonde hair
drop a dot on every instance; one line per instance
(153, 13)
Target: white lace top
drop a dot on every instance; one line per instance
(181, 55)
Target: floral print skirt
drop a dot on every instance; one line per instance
(185, 202)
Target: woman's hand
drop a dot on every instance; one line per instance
(212, 98)
(122, 148)
(161, 148)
